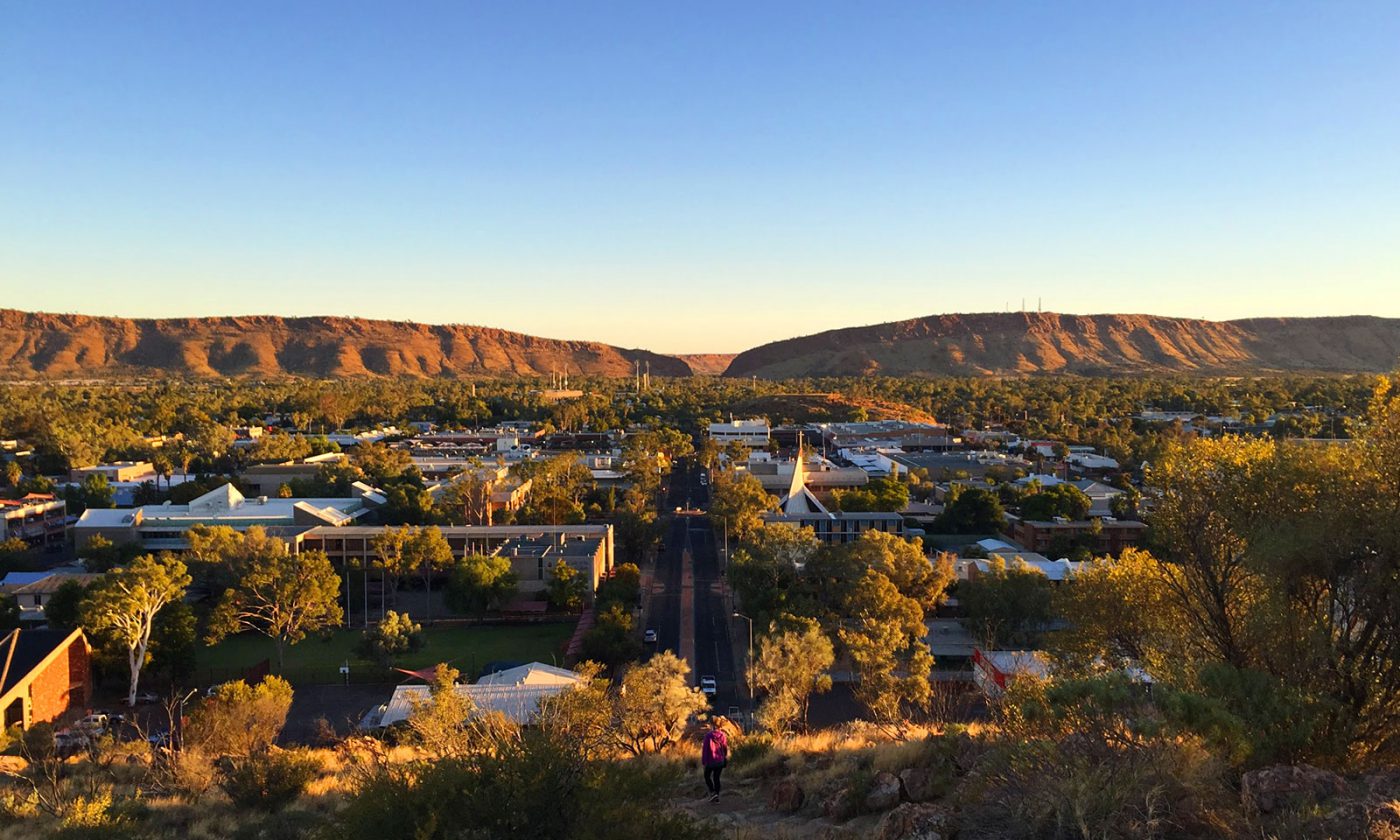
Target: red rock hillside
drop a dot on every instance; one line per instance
(1035, 342)
(40, 345)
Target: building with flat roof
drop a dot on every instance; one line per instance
(899, 433)
(1106, 534)
(116, 471)
(532, 549)
(163, 527)
(268, 479)
(38, 519)
(753, 433)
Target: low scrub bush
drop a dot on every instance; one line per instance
(268, 782)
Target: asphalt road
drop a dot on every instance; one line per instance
(714, 655)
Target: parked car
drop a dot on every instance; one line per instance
(709, 686)
(649, 636)
(96, 722)
(158, 739)
(69, 741)
(733, 713)
(146, 698)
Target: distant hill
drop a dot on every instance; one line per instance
(706, 364)
(73, 346)
(1035, 342)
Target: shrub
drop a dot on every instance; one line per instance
(268, 782)
(391, 638)
(240, 719)
(751, 749)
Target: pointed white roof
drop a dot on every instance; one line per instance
(799, 499)
(222, 498)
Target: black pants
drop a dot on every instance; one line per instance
(712, 778)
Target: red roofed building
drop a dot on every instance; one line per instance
(38, 519)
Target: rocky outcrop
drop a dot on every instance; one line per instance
(1035, 342)
(39, 345)
(786, 797)
(915, 821)
(1281, 787)
(884, 794)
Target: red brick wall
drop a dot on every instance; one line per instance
(61, 686)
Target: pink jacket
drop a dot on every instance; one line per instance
(714, 750)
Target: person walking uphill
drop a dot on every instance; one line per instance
(714, 754)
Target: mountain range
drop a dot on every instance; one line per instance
(52, 346)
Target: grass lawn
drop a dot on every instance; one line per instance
(318, 659)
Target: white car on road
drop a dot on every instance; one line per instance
(709, 686)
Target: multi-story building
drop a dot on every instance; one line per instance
(533, 549)
(38, 519)
(752, 433)
(160, 527)
(840, 528)
(1106, 535)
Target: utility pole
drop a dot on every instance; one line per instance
(748, 669)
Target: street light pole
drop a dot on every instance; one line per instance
(748, 670)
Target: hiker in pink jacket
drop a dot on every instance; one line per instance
(714, 754)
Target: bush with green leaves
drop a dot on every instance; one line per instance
(270, 781)
(395, 636)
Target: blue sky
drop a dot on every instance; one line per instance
(699, 177)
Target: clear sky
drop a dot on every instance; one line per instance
(703, 176)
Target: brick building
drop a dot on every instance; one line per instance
(1104, 535)
(47, 674)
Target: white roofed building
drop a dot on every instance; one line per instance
(163, 526)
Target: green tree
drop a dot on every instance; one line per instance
(238, 719)
(282, 596)
(738, 500)
(623, 586)
(439, 724)
(888, 495)
(390, 639)
(390, 546)
(1062, 499)
(883, 631)
(64, 611)
(566, 588)
(427, 552)
(123, 607)
(612, 640)
(479, 583)
(14, 474)
(904, 563)
(971, 510)
(1009, 605)
(654, 703)
(790, 668)
(174, 642)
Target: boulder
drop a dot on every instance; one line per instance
(786, 797)
(1271, 789)
(915, 821)
(921, 784)
(884, 793)
(839, 806)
